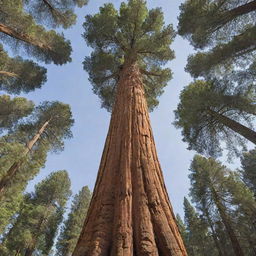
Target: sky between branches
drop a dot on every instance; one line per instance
(82, 154)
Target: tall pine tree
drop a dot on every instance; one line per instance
(73, 225)
(208, 115)
(39, 217)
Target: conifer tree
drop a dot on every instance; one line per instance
(130, 213)
(73, 225)
(39, 217)
(197, 232)
(13, 110)
(54, 13)
(19, 75)
(46, 128)
(208, 179)
(209, 115)
(248, 173)
(228, 27)
(10, 200)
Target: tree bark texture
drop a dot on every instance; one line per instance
(226, 221)
(6, 179)
(130, 213)
(235, 126)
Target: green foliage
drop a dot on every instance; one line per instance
(23, 33)
(54, 13)
(204, 22)
(60, 122)
(18, 75)
(197, 231)
(14, 144)
(227, 29)
(200, 129)
(248, 173)
(223, 54)
(39, 216)
(132, 34)
(214, 188)
(73, 225)
(10, 152)
(12, 110)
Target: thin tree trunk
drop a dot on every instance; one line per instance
(6, 73)
(5, 180)
(214, 235)
(236, 12)
(225, 219)
(235, 126)
(130, 213)
(23, 37)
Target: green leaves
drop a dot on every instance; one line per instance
(133, 34)
(71, 230)
(203, 131)
(39, 216)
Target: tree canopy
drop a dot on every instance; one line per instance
(39, 216)
(71, 230)
(18, 75)
(204, 131)
(13, 110)
(54, 13)
(132, 34)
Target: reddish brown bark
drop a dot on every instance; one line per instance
(130, 213)
(5, 180)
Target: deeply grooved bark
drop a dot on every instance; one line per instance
(130, 213)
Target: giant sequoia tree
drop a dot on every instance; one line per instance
(130, 212)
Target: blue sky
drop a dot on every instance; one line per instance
(69, 83)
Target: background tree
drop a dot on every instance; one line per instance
(39, 217)
(12, 197)
(208, 115)
(19, 30)
(54, 13)
(49, 124)
(209, 186)
(13, 110)
(197, 232)
(248, 161)
(227, 27)
(23, 153)
(73, 225)
(18, 75)
(130, 213)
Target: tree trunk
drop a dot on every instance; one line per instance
(225, 219)
(236, 12)
(23, 37)
(6, 73)
(29, 251)
(130, 213)
(235, 126)
(5, 180)
(214, 235)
